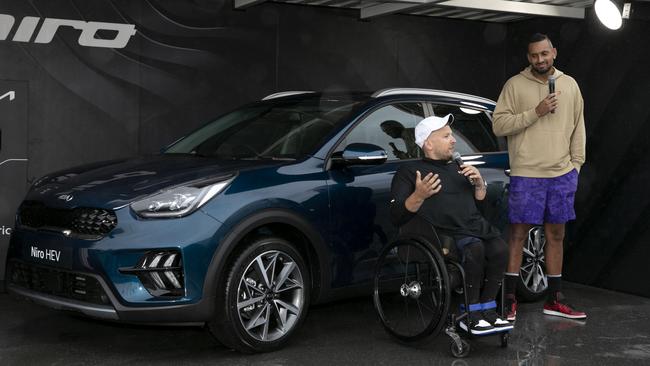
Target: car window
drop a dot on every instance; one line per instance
(472, 129)
(392, 128)
(276, 129)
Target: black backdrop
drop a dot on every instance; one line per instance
(193, 60)
(609, 242)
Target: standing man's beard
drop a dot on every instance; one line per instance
(542, 71)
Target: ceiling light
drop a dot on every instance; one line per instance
(608, 14)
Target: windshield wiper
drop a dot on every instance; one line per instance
(266, 157)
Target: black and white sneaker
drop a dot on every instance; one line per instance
(491, 316)
(477, 325)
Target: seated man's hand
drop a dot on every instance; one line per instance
(471, 172)
(427, 186)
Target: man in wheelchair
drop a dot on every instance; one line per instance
(435, 190)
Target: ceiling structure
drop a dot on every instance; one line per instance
(499, 11)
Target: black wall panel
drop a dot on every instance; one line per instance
(339, 51)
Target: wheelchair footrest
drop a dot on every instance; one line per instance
(496, 330)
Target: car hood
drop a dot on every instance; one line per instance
(115, 184)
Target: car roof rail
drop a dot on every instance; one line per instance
(432, 92)
(286, 94)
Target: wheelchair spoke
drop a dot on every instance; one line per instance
(406, 263)
(427, 307)
(434, 299)
(431, 290)
(406, 307)
(417, 302)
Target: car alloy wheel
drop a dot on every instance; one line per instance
(533, 282)
(266, 297)
(270, 296)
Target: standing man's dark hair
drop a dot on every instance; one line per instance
(538, 37)
(546, 142)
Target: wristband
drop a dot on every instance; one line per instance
(481, 187)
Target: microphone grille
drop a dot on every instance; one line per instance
(455, 155)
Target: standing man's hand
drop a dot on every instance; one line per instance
(424, 188)
(547, 105)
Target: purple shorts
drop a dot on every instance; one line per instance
(542, 200)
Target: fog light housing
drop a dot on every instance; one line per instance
(161, 273)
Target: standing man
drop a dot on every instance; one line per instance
(434, 189)
(546, 143)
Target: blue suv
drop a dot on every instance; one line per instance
(245, 222)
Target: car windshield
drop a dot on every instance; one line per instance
(269, 130)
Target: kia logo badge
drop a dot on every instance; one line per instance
(66, 197)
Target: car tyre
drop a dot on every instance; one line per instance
(266, 297)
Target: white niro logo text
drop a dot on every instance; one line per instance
(27, 28)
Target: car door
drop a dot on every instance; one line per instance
(360, 195)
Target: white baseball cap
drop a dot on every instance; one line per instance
(430, 124)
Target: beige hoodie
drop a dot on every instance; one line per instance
(544, 147)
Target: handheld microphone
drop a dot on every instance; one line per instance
(459, 161)
(551, 87)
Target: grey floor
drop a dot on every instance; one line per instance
(345, 333)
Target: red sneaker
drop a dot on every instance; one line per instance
(511, 308)
(560, 308)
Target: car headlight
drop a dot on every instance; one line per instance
(180, 201)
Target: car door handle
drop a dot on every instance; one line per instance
(507, 171)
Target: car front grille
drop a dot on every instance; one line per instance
(93, 222)
(53, 281)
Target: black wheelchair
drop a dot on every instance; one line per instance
(415, 278)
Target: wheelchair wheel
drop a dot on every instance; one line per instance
(460, 350)
(411, 293)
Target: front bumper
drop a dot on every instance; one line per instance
(90, 279)
(194, 313)
(52, 281)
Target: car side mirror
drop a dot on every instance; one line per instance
(360, 154)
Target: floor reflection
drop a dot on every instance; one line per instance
(342, 333)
